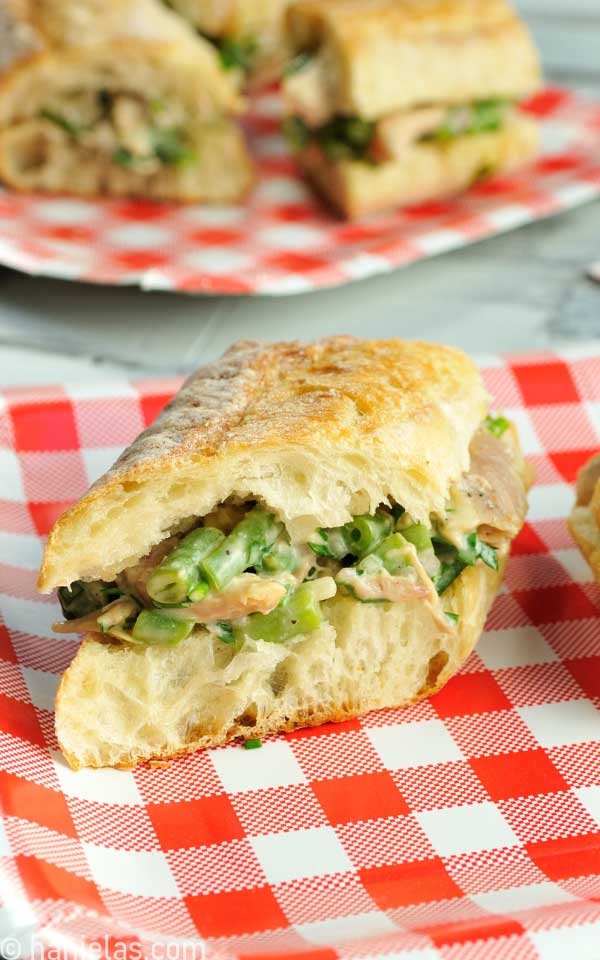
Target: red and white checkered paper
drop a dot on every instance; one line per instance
(284, 240)
(466, 827)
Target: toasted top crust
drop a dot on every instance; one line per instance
(104, 39)
(386, 55)
(318, 431)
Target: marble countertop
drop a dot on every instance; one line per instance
(524, 290)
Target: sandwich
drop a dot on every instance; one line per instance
(394, 102)
(119, 98)
(584, 522)
(307, 532)
(250, 35)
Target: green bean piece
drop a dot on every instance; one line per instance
(299, 613)
(391, 554)
(282, 556)
(178, 573)
(199, 591)
(418, 535)
(245, 547)
(156, 629)
(364, 533)
(253, 744)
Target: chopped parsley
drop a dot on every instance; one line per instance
(497, 425)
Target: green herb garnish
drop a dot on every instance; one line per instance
(59, 120)
(238, 54)
(497, 425)
(297, 63)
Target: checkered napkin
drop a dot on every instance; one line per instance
(466, 827)
(284, 240)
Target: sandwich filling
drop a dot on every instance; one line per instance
(237, 573)
(125, 128)
(347, 137)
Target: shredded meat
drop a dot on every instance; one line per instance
(397, 131)
(246, 594)
(490, 495)
(133, 579)
(381, 586)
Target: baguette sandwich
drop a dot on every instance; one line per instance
(399, 101)
(584, 522)
(307, 532)
(119, 97)
(250, 34)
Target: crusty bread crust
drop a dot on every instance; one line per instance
(584, 522)
(118, 705)
(319, 432)
(388, 55)
(262, 21)
(427, 171)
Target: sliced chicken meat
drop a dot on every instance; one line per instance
(490, 494)
(246, 594)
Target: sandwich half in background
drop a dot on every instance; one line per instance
(399, 101)
(307, 532)
(119, 97)
(584, 522)
(250, 35)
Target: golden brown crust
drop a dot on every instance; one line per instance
(317, 431)
(386, 55)
(427, 171)
(584, 522)
(260, 21)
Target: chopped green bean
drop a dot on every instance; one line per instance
(154, 628)
(282, 556)
(299, 613)
(418, 535)
(390, 554)
(364, 533)
(178, 574)
(199, 592)
(245, 547)
(252, 744)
